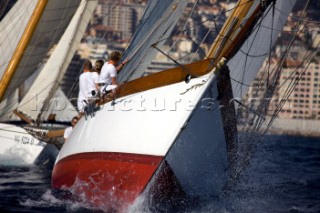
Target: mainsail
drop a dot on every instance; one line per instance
(32, 27)
(156, 25)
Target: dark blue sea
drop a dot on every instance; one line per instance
(283, 176)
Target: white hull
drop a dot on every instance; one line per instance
(18, 147)
(180, 124)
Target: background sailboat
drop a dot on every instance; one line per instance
(44, 98)
(45, 92)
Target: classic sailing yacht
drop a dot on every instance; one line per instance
(44, 98)
(172, 131)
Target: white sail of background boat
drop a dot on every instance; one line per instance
(44, 98)
(166, 133)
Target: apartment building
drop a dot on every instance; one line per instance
(304, 101)
(121, 17)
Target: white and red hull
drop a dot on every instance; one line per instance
(112, 156)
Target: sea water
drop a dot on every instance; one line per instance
(283, 176)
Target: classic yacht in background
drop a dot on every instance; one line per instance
(29, 31)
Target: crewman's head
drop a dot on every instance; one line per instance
(115, 56)
(74, 120)
(98, 65)
(87, 65)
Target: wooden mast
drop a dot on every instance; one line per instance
(21, 47)
(233, 27)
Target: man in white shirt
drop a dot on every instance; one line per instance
(98, 66)
(94, 83)
(85, 86)
(107, 78)
(69, 129)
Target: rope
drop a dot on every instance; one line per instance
(258, 122)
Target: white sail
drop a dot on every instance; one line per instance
(53, 22)
(156, 25)
(12, 26)
(59, 106)
(246, 63)
(8, 105)
(39, 98)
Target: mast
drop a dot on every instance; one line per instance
(21, 47)
(237, 28)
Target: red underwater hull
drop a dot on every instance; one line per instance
(105, 179)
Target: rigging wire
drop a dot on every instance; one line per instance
(249, 146)
(276, 79)
(206, 20)
(258, 121)
(295, 81)
(179, 34)
(271, 44)
(251, 130)
(204, 38)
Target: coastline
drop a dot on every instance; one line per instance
(294, 133)
(295, 127)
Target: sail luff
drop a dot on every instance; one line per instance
(62, 66)
(23, 43)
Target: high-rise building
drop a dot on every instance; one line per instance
(121, 17)
(304, 101)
